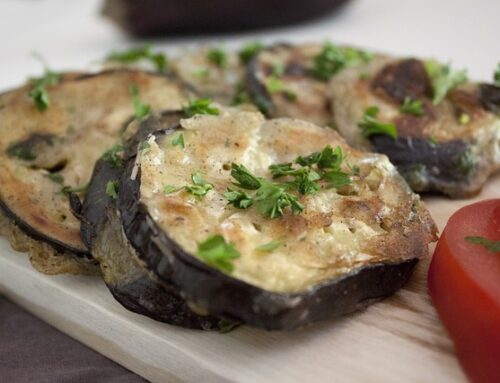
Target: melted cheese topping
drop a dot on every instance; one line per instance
(338, 231)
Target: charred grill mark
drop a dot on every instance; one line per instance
(429, 166)
(489, 95)
(406, 78)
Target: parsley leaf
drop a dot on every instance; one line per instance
(240, 97)
(249, 51)
(112, 188)
(200, 187)
(169, 189)
(496, 75)
(370, 126)
(337, 178)
(218, 57)
(271, 199)
(490, 245)
(268, 247)
(141, 110)
(245, 178)
(38, 92)
(134, 55)
(413, 107)
(332, 59)
(200, 106)
(305, 181)
(226, 326)
(178, 140)
(55, 177)
(218, 253)
(112, 155)
(238, 198)
(443, 79)
(66, 190)
(327, 158)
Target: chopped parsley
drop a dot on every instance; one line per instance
(336, 179)
(226, 326)
(249, 51)
(169, 189)
(413, 107)
(269, 247)
(218, 253)
(202, 74)
(496, 75)
(275, 85)
(332, 59)
(238, 198)
(38, 92)
(66, 190)
(241, 96)
(245, 178)
(55, 177)
(443, 79)
(218, 57)
(112, 188)
(112, 155)
(20, 151)
(178, 140)
(200, 106)
(200, 187)
(144, 53)
(140, 110)
(489, 244)
(370, 126)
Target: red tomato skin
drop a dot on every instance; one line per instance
(470, 314)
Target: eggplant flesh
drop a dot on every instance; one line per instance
(262, 302)
(47, 154)
(131, 284)
(299, 94)
(450, 148)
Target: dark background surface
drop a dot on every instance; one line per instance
(33, 351)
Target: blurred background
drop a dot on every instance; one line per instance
(73, 34)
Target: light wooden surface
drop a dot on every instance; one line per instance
(397, 340)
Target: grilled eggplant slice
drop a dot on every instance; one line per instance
(211, 72)
(46, 155)
(450, 147)
(348, 247)
(124, 274)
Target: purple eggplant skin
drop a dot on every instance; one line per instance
(132, 286)
(490, 97)
(157, 17)
(217, 293)
(429, 166)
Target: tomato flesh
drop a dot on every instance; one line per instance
(464, 284)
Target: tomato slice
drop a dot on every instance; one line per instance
(464, 284)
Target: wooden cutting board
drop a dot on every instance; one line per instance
(397, 340)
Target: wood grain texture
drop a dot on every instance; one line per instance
(398, 339)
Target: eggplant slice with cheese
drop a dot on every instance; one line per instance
(292, 80)
(211, 72)
(445, 142)
(46, 155)
(124, 274)
(345, 244)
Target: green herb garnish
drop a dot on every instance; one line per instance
(112, 155)
(238, 198)
(112, 188)
(38, 92)
(271, 199)
(249, 51)
(66, 190)
(55, 177)
(23, 153)
(413, 107)
(443, 79)
(218, 56)
(336, 179)
(240, 97)
(226, 326)
(269, 247)
(490, 245)
(496, 75)
(202, 74)
(169, 189)
(370, 126)
(134, 55)
(218, 253)
(276, 85)
(245, 178)
(200, 187)
(200, 106)
(332, 59)
(140, 110)
(178, 140)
